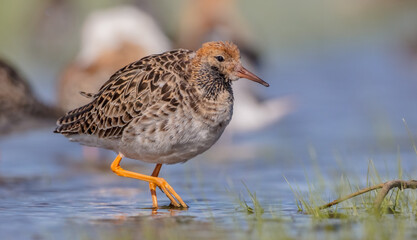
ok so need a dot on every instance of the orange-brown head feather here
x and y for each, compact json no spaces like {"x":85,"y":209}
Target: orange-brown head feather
{"x":228,"y":48}
{"x":224,"y":58}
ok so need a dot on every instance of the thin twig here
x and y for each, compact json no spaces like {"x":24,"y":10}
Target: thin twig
{"x":362,"y":191}
{"x":386,"y":187}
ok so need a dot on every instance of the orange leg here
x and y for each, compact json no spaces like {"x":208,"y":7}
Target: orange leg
{"x":157,"y":181}
{"x":152,"y":185}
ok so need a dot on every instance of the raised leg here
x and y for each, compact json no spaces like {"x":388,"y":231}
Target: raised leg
{"x":160,"y":182}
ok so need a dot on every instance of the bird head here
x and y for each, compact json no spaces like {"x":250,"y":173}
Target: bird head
{"x":224,"y":57}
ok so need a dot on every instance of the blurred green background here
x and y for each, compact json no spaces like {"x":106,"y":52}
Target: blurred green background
{"x":40,"y":34}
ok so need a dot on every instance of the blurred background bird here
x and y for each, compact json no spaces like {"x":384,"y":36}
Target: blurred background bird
{"x":111,"y":38}
{"x":20,"y":109}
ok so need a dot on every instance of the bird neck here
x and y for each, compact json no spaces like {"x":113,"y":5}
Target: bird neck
{"x":211,"y":82}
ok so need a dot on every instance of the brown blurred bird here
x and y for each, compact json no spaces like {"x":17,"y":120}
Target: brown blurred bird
{"x":19,"y":108}
{"x":111,"y":38}
{"x":163,"y":109}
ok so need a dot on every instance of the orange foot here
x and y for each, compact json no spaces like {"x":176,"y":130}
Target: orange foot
{"x":168,"y":190}
{"x":153,"y":182}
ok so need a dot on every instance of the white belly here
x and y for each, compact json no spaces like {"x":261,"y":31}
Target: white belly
{"x":184,"y":138}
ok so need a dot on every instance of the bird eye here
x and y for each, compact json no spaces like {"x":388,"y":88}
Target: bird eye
{"x":219,"y":58}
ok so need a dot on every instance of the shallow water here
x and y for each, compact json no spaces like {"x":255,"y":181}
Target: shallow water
{"x":350,"y":105}
{"x":48,"y":188}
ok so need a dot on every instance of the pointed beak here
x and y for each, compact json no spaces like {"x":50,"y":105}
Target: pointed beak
{"x":242,"y":72}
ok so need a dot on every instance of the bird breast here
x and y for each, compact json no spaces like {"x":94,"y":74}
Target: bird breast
{"x":183,"y":135}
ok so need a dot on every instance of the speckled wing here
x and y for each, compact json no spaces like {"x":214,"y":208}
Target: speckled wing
{"x":149,"y":82}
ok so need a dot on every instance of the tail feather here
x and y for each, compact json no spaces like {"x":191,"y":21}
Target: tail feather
{"x":74,"y":121}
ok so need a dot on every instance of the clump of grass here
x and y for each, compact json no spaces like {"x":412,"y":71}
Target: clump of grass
{"x":397,"y":201}
{"x":256,"y":207}
{"x":360,"y":200}
{"x":309,"y":204}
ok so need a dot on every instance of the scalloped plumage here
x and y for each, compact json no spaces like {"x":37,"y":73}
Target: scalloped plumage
{"x":165,"y":108}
